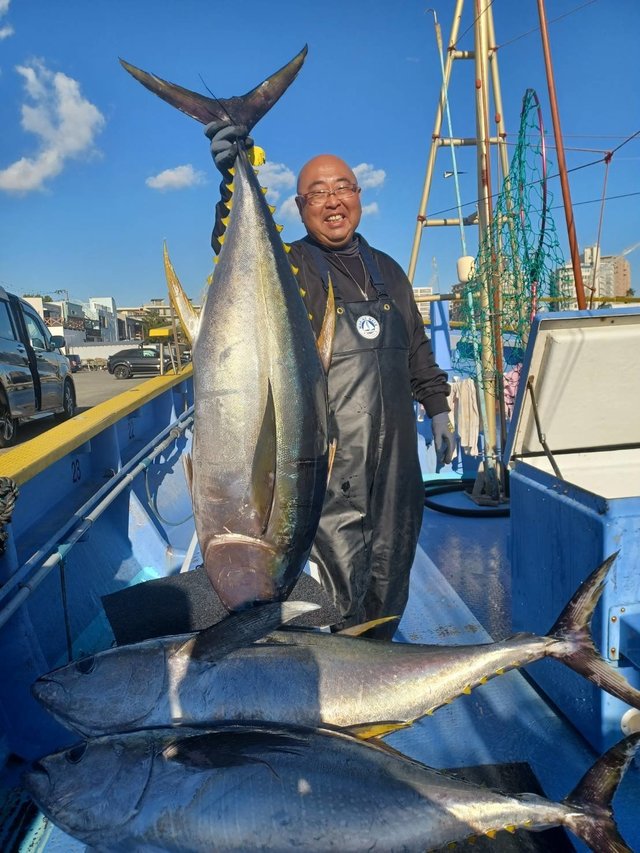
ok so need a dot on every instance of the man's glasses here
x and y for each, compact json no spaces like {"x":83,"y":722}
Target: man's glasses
{"x":319,"y":197}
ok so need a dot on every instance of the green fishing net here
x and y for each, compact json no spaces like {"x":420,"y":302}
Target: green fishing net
{"x":519,"y":269}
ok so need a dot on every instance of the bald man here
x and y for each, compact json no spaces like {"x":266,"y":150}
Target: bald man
{"x":382,"y":361}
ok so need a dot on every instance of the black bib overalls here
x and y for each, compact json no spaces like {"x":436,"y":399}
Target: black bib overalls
{"x":372,"y":512}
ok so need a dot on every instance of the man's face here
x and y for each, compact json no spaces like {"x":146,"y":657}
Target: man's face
{"x":333,"y":219}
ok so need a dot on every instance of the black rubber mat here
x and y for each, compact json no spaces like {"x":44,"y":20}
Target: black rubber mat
{"x":187,"y":602}
{"x":516,"y":778}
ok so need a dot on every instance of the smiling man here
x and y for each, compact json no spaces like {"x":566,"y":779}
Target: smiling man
{"x":382,"y":360}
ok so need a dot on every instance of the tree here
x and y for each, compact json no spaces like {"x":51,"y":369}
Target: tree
{"x":38,"y":296}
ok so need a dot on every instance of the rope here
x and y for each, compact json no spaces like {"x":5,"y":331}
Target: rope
{"x":8,"y":497}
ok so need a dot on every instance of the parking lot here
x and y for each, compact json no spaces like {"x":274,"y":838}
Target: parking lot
{"x":92,"y":387}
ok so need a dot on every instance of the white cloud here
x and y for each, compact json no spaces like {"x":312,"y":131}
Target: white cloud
{"x":176,"y":179}
{"x":276,"y":177}
{"x":368,"y":209}
{"x":7,"y":29}
{"x":65,"y":123}
{"x":368,"y":177}
{"x":289,"y":209}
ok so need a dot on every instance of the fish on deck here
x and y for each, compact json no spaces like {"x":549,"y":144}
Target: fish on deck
{"x":280,"y":788}
{"x":306,"y":677}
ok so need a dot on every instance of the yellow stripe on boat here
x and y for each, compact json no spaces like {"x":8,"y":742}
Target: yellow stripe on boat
{"x":24,"y":461}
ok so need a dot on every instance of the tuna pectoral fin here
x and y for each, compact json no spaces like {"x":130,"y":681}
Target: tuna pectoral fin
{"x":590,"y":801}
{"x":263,"y":472}
{"x":327,"y":332}
{"x":574,"y":646}
{"x":181,"y":305}
{"x":364,"y":627}
{"x":367,"y":731}
{"x":243,"y":629}
{"x":246,"y":110}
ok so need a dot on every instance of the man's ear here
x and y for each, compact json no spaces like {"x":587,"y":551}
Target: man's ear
{"x":299,"y":205}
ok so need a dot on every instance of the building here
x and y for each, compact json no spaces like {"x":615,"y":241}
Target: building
{"x":604,"y":278}
{"x":423,"y":307}
{"x":621,"y":274}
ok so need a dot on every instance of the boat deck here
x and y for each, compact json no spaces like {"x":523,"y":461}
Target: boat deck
{"x":460,"y":590}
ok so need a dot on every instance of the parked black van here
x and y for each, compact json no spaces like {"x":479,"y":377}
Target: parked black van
{"x":35,"y":377}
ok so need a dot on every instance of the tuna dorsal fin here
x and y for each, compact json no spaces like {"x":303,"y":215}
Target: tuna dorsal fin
{"x":263,"y":474}
{"x":181,"y":305}
{"x":327,"y":332}
{"x":187,"y":463}
{"x":246,"y":110}
{"x":364,"y":627}
{"x":242,"y":629}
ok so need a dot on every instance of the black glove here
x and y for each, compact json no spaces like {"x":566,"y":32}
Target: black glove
{"x":442,"y":438}
{"x":225,"y":139}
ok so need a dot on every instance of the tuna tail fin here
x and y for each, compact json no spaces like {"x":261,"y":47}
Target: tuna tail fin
{"x":575,"y":647}
{"x":592,"y":820}
{"x":245,"y":110}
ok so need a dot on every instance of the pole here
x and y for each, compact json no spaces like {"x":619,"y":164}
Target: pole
{"x":432,"y":152}
{"x":562,"y":163}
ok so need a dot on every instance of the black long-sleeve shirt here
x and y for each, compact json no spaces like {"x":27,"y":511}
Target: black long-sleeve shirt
{"x":428,"y":381}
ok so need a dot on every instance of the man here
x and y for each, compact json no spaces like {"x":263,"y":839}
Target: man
{"x":382,"y":360}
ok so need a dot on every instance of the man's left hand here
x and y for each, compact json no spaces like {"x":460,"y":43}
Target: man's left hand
{"x":443,"y":438}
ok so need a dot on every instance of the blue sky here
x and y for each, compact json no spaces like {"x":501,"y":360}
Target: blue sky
{"x":95,"y":172}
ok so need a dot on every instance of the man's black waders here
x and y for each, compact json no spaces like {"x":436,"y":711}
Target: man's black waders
{"x":372,"y":511}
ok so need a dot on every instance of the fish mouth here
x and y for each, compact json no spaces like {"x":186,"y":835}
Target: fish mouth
{"x":50,"y":692}
{"x":37,"y":782}
{"x":244,"y":571}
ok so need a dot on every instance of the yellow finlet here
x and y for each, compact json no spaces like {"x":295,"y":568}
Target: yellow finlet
{"x":271,"y":208}
{"x":264,"y":190}
{"x":221,"y":239}
{"x":257,"y":156}
{"x":216,"y":259}
{"x":467,"y":690}
{"x":511,"y":828}
{"x":491,"y":833}
{"x":294,"y":270}
{"x":303,"y":292}
{"x":232,"y":170}
{"x":229,"y":187}
{"x":228,"y":204}
{"x":225,"y":220}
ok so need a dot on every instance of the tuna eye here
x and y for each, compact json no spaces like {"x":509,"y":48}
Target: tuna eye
{"x":74,"y":755}
{"x":86,"y":665}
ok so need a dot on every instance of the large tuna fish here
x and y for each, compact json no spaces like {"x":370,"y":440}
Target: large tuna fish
{"x":307,"y":677}
{"x":274,"y":788}
{"x":258,"y":469}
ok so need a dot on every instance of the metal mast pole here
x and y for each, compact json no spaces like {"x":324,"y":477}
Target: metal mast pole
{"x":562,"y":163}
{"x":457,"y":15}
{"x":484,"y":223}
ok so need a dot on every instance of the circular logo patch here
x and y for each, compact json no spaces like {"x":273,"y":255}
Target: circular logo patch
{"x":368,"y":327}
